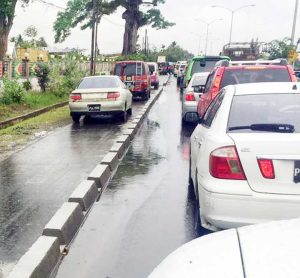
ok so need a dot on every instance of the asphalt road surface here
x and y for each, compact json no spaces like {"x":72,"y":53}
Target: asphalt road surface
{"x":147,"y":211}
{"x":37,"y":180}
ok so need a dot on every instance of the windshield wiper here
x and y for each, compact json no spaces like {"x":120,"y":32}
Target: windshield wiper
{"x":283,"y":128}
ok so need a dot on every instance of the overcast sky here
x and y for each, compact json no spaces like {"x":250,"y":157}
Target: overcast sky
{"x":268,"y":20}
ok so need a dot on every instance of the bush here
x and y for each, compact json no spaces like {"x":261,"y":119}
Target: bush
{"x":12,"y":92}
{"x":27,"y":86}
{"x":42,"y":71}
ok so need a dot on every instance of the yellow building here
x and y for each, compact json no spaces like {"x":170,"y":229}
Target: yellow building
{"x":32,"y":54}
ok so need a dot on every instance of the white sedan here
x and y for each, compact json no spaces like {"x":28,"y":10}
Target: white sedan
{"x":245,"y":156}
{"x":100,"y":95}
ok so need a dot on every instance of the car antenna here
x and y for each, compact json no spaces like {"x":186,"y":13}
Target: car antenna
{"x":295,"y":87}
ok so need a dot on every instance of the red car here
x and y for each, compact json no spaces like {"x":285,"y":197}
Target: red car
{"x":136,"y":76}
{"x":238,"y":72}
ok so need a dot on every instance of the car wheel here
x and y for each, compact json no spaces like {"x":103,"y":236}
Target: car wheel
{"x":124,"y":115}
{"x":129,"y":111}
{"x":76,"y":118}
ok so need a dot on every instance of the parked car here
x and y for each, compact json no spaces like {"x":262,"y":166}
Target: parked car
{"x":245,"y":156}
{"x":100,"y":95}
{"x":239,"y":72}
{"x":136,"y":76}
{"x":191,"y":97}
{"x":153,"y":68}
{"x":264,"y":251}
{"x":201,"y":64}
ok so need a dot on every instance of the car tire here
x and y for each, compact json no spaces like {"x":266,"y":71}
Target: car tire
{"x":76,"y":118}
{"x":129,"y":111}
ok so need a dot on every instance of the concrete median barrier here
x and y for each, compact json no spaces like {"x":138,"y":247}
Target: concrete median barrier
{"x":40,"y":260}
{"x":124,"y":139}
{"x":118,"y":148}
{"x":85,"y":194}
{"x":65,"y":223}
{"x":112,"y":160}
{"x":100,"y":175}
{"x":129,"y":132}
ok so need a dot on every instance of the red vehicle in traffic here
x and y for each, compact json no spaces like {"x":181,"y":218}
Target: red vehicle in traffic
{"x":136,"y":76}
{"x":238,"y":72}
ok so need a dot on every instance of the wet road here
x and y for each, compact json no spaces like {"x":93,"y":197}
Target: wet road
{"x":147,"y":211}
{"x":37,"y":180}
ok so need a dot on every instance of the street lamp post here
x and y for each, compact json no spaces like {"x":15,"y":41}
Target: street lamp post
{"x":232,"y":15}
{"x":294,"y":23}
{"x":207,"y":29}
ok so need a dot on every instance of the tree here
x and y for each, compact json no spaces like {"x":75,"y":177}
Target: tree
{"x":41,"y":42}
{"x":175,"y":53}
{"x":7,"y":13}
{"x":32,"y":42}
{"x":80,"y":12}
{"x":279,"y":48}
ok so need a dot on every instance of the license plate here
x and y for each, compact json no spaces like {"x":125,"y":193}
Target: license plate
{"x":297,"y":171}
{"x":129,"y":85}
{"x":94,"y":108}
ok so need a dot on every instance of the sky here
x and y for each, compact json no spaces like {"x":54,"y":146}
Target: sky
{"x":267,"y":20}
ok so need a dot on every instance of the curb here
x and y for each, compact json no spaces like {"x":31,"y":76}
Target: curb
{"x":35,"y":113}
{"x":42,"y":259}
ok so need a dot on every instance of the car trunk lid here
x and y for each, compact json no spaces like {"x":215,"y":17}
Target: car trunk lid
{"x":284,"y":152}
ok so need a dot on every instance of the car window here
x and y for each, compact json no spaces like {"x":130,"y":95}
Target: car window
{"x":254,"y":75}
{"x":203,"y":66}
{"x":209,"y":81}
{"x":129,"y":69}
{"x":247,"y":110}
{"x":212,"y":110}
{"x":199,"y":81}
{"x":151,"y":68}
{"x":98,"y":83}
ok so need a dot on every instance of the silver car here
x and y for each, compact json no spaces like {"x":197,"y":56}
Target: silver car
{"x":192,"y":95}
{"x":100,"y":95}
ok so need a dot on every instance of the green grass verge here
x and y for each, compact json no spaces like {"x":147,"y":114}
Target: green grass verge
{"x":14,"y":137}
{"x":32,"y":101}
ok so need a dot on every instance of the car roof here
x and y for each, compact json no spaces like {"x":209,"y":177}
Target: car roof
{"x":210,"y":57}
{"x":205,"y":73}
{"x":130,"y":62}
{"x":265,"y":88}
{"x":101,"y":76}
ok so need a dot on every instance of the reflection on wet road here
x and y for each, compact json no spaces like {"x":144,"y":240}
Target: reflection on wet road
{"x":37,"y":180}
{"x":147,"y":211}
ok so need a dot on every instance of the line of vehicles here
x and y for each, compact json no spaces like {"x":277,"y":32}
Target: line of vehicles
{"x":113,"y":95}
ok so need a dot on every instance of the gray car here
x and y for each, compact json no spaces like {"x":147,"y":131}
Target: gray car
{"x":191,"y":97}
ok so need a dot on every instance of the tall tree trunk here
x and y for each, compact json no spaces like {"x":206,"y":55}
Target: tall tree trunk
{"x":131,"y":31}
{"x":4,"y":32}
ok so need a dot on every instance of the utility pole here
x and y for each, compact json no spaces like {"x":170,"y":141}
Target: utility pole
{"x":294,"y":23}
{"x":93,"y":37}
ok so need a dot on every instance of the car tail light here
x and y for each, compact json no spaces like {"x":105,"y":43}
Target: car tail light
{"x":75,"y":97}
{"x":113,"y":95}
{"x":190,"y":96}
{"x":266,"y":168}
{"x":224,"y":163}
{"x":217,"y":82}
{"x":292,"y":74}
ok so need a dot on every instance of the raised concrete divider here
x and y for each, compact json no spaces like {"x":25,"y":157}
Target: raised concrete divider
{"x":40,"y":260}
{"x":112,"y":160}
{"x":65,"y":223}
{"x":43,"y":256}
{"x":85,"y":194}
{"x":100,"y":175}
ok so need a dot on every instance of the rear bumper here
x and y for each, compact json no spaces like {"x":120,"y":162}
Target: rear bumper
{"x":224,"y":211}
{"x":139,"y":93}
{"x":189,"y":111}
{"x":105,"y":107}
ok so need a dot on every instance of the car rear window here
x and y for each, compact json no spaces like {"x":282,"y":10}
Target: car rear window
{"x":98,"y":83}
{"x":151,"y":68}
{"x":247,"y":110}
{"x":199,"y":81}
{"x":129,"y":69}
{"x":203,"y":66}
{"x":254,"y":75}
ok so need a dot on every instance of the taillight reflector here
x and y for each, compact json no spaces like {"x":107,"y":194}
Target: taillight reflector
{"x":75,"y":97}
{"x":266,"y":168}
{"x":225,"y":164}
{"x":113,"y":95}
{"x":190,"y":96}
